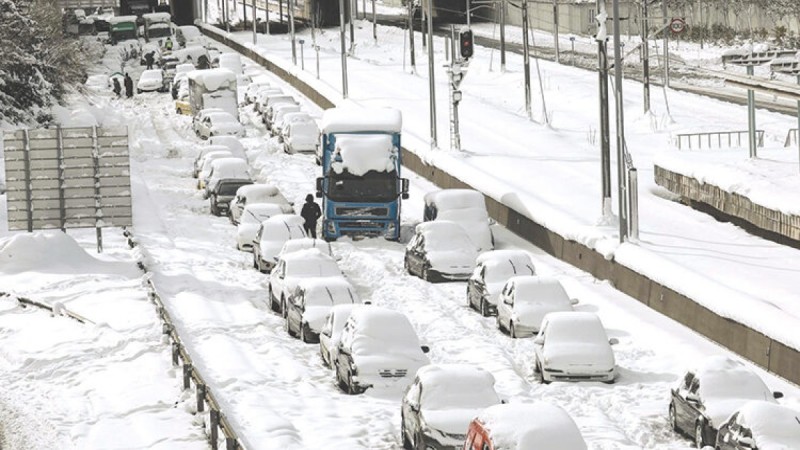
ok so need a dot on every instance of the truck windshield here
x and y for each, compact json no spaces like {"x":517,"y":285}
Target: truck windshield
{"x":371,"y":187}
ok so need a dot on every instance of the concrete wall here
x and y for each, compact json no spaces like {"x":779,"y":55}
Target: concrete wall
{"x":753,"y":345}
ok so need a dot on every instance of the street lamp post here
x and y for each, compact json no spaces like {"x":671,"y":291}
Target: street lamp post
{"x":502,"y":36}
{"x":621,"y":178}
{"x":431,"y":81}
{"x":302,"y":57}
{"x":526,"y":58}
{"x":344,"y":53}
{"x":605,"y":132}
{"x":290,"y":5}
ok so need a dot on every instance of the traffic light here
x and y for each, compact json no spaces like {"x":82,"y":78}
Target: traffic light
{"x":466,"y":44}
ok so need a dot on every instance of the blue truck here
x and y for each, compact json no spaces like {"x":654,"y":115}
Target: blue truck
{"x":361,"y":187}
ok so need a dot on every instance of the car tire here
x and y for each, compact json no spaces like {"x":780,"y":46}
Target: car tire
{"x":302,"y":333}
{"x":403,"y":435}
{"x":673,"y":417}
{"x":699,"y":442}
{"x":284,"y":311}
{"x":512,"y":331}
{"x":541,"y":373}
{"x":424,"y":274}
{"x":485,"y":308}
{"x":273,"y":302}
{"x":177,"y":110}
{"x":325,"y":362}
{"x":255,"y":262}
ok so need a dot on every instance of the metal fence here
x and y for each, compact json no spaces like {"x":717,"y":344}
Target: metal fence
{"x":68,"y":178}
{"x":716,"y":139}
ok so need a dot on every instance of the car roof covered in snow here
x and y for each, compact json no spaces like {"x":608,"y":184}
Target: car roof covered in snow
{"x":512,"y":427}
{"x":448,"y":386}
{"x":306,"y":243}
{"x":773,"y":425}
{"x":537,"y":286}
{"x":354,"y":120}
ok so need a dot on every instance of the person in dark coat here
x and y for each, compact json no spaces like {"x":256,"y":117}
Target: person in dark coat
{"x":149,"y":59}
{"x":311,"y":213}
{"x":128,"y":86}
{"x":202,"y":62}
{"x":117,"y":87}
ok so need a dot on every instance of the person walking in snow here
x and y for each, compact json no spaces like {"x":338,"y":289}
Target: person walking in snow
{"x":310,"y":213}
{"x":117,"y":87}
{"x":168,"y":44}
{"x":149,"y":58}
{"x":128,"y":86}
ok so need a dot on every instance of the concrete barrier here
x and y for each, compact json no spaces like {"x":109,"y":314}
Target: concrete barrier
{"x":772,"y":355}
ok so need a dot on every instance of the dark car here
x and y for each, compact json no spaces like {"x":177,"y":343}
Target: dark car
{"x":492,"y":270}
{"x":223,"y":192}
{"x":708,"y":395}
{"x":760,"y":425}
{"x":308,"y":306}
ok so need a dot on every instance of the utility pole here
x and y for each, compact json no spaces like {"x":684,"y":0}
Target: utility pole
{"x":411,"y":34}
{"x":526,"y":58}
{"x":344,"y":53}
{"x":666,"y":43}
{"x":621,"y":179}
{"x":605,"y":130}
{"x":290,"y":5}
{"x":432,"y":84}
{"x":646,"y":56}
{"x":352,"y":27}
{"x":255,"y":40}
{"x":503,"y":36}
{"x":555,"y":30}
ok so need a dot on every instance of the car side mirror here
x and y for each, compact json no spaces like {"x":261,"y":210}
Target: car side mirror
{"x":367,"y":302}
{"x":492,"y":221}
{"x":319,"y":187}
{"x":425,"y":348}
{"x":747,"y":442}
{"x":613,"y":341}
{"x":573,"y":301}
{"x":538,"y":340}
{"x":275,"y":258}
{"x":414,"y":406}
{"x":503,"y":401}
{"x":776,"y":395}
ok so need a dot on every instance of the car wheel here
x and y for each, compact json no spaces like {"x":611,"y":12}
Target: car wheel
{"x":255,"y":263}
{"x":673,"y":418}
{"x":323,"y":358}
{"x":699,"y":442}
{"x":303,"y":336}
{"x":541,"y":373}
{"x":351,"y":389}
{"x":485,"y":308}
{"x":177,"y":110}
{"x":284,"y":312}
{"x":424,"y":274}
{"x":512,"y":331}
{"x":403,"y":435}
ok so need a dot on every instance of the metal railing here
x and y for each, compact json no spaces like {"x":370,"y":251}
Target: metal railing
{"x":733,"y":138}
{"x":791,"y":137}
{"x":180,"y":357}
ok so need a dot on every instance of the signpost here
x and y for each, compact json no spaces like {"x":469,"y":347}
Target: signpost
{"x":68,"y":178}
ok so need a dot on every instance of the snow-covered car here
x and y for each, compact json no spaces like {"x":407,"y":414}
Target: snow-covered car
{"x":251,"y":219}
{"x":438,"y":406}
{"x":378,"y":347}
{"x":268,"y":107}
{"x":231,"y":168}
{"x":492,"y":270}
{"x":574,"y":346}
{"x":310,"y":302}
{"x":708,"y":394}
{"x":263,"y":95}
{"x":298,"y":116}
{"x":202,"y":151}
{"x":439,"y":251}
{"x":301,"y":137}
{"x":257,"y":193}
{"x":280,"y":110}
{"x":292,"y":267}
{"x":332,"y":331}
{"x":526,"y":299}
{"x":192,"y":54}
{"x":201,"y":115}
{"x":232,"y":143}
{"x":467,"y":208}
{"x":271,"y":235}
{"x":222,"y":192}
{"x":523,"y":426}
{"x":180,"y":74}
{"x":295,"y":245}
{"x":205,"y":166}
{"x":219,"y":123}
{"x":189,"y":35}
{"x":760,"y":425}
{"x":150,"y":81}
{"x":257,"y":84}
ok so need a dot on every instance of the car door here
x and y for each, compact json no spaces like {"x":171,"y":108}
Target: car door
{"x":685,"y":412}
{"x":505,"y":305}
{"x":325,"y":337}
{"x":295,"y":305}
{"x":475,"y":286}
{"x":412,"y":255}
{"x":411,"y":409}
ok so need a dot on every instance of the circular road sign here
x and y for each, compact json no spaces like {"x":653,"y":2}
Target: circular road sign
{"x":677,"y":25}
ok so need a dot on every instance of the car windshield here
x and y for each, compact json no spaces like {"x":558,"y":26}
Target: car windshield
{"x":230,"y":188}
{"x":223,"y":118}
{"x":372,"y":187}
{"x":329,"y":296}
{"x":584,"y":332}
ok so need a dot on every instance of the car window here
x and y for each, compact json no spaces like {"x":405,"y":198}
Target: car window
{"x":687,"y":381}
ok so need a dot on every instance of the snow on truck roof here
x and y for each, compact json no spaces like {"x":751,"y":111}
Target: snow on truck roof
{"x":354,"y":120}
{"x":121,"y":19}
{"x":157,"y":16}
{"x":212,"y":79}
{"x":361,"y":153}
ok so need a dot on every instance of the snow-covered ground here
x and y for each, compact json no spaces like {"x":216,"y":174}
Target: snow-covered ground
{"x":273,"y":387}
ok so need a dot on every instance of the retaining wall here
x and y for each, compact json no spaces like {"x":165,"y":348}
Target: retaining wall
{"x":768,"y":353}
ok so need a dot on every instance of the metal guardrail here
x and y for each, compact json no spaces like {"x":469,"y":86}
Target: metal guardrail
{"x":717,"y":136}
{"x":53,"y":310}
{"x":180,"y":357}
{"x":791,"y":137}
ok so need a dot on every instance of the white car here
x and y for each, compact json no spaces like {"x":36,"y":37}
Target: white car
{"x":271,"y":235}
{"x":526,"y":299}
{"x":232,"y":143}
{"x":257,"y":193}
{"x":250,"y":222}
{"x":290,"y":268}
{"x":492,"y":270}
{"x":440,"y":250}
{"x":301,"y":137}
{"x":263,"y":95}
{"x":438,"y":406}
{"x":202,"y":151}
{"x":378,"y":348}
{"x":257,"y":83}
{"x":151,"y":80}
{"x":574,"y":346}
{"x":280,"y":110}
{"x":230,"y":168}
{"x":205,"y":166}
{"x":189,"y":35}
{"x":518,"y":426}
{"x":268,"y":107}
{"x":760,"y":425}
{"x":298,"y":116}
{"x":295,"y":245}
{"x":309,"y":304}
{"x":332,"y":331}
{"x":466,"y":207}
{"x":219,"y":123}
{"x":201,"y":115}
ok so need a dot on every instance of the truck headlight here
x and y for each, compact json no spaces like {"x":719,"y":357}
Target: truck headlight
{"x":330,"y":227}
{"x":391,"y":231}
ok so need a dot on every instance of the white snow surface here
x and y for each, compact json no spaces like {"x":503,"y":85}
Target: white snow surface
{"x":361,"y":153}
{"x":72,"y":385}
